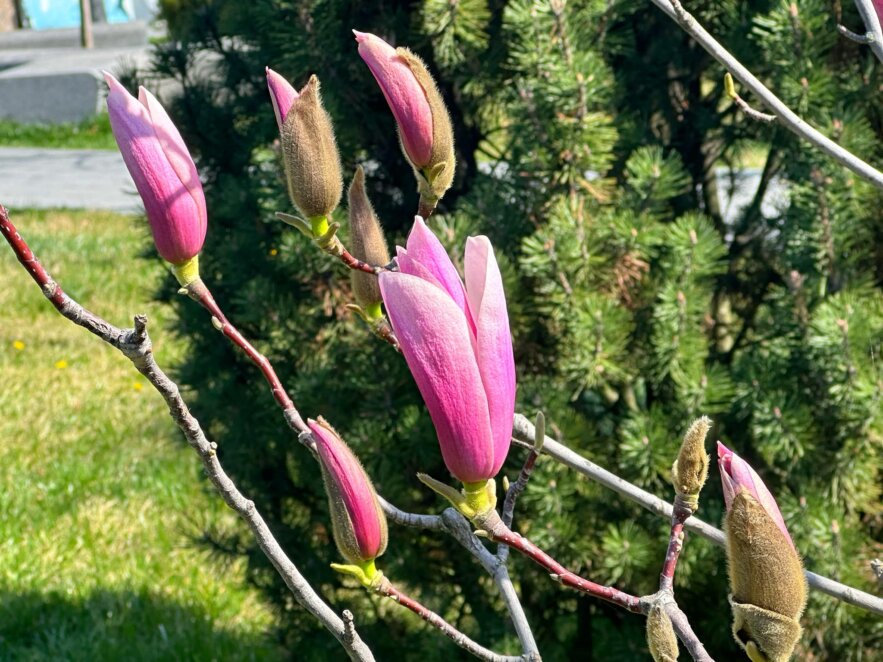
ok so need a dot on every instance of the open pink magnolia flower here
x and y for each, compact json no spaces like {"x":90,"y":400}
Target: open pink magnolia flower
{"x":282,"y":94}
{"x":404,"y":94}
{"x":163,"y":171}
{"x":737,"y":475}
{"x":359,"y":523}
{"x":457,"y":344}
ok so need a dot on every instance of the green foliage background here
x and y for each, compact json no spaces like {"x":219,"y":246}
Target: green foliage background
{"x":588,"y":134}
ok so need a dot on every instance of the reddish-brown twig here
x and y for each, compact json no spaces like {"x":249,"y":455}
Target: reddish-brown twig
{"x":498,"y":532}
{"x":199,"y":292}
{"x":680,"y":514}
{"x":387,"y":589}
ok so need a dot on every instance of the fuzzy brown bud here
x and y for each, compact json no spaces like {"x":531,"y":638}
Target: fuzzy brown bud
{"x":312,"y":163}
{"x":437,"y":175}
{"x":766,"y":579}
{"x":690,"y":470}
{"x":661,"y":636}
{"x":367,"y":242}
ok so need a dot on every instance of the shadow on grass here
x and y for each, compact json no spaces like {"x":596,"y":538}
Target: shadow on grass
{"x":127,"y":625}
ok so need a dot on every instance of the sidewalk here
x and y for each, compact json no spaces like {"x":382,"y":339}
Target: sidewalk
{"x":74,"y":178}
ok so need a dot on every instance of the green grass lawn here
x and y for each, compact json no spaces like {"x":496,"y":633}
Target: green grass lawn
{"x":100,"y":498}
{"x":93,"y":133}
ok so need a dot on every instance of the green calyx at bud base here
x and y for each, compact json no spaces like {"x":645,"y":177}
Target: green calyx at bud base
{"x":366,"y":572}
{"x":474,"y":501}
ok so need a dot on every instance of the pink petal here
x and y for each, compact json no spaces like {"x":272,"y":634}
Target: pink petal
{"x":177,"y":220}
{"x":355,"y":488}
{"x":175,"y":150}
{"x":437,"y":345}
{"x":282,"y":94}
{"x":425,"y":248}
{"x":403,"y":93}
{"x":743,"y":477}
{"x":496,"y":363}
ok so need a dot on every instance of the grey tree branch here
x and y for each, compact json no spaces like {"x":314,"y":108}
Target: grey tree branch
{"x":135,"y":345}
{"x":787,"y":117}
{"x":459,"y":528}
{"x":523,"y":433}
{"x":874,"y":36}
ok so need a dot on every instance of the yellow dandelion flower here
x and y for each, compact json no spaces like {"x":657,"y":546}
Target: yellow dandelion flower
{"x":138,"y":386}
{"x":61,"y":365}
{"x":19,"y":345}
{"x":273,"y":252}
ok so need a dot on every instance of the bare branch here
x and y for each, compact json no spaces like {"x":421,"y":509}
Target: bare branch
{"x":787,"y":117}
{"x":515,"y":490}
{"x":459,"y":528}
{"x":464,"y":642}
{"x":685,"y":632}
{"x":523,"y":433}
{"x":136,"y":346}
{"x":680,"y":514}
{"x":874,"y":36}
{"x":863,"y":39}
{"x":743,"y":105}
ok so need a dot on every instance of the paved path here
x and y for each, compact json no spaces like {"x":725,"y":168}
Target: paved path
{"x":74,"y":178}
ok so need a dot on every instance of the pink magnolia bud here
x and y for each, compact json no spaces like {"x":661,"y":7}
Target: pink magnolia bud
{"x":737,"y":475}
{"x":163,"y":171}
{"x":282,"y":94}
{"x":403,"y":93}
{"x":425,"y":128}
{"x":358,"y":521}
{"x":456,"y":342}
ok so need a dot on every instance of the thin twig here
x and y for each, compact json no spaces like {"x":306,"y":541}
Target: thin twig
{"x":743,"y":105}
{"x":523,"y":433}
{"x":863,"y":39}
{"x":136,"y":346}
{"x":681,"y":513}
{"x":515,"y":490}
{"x":685,"y":632}
{"x":386,"y":588}
{"x":200,"y":293}
{"x":458,"y":527}
{"x":787,"y":117}
{"x":499,"y":532}
{"x":872,"y":23}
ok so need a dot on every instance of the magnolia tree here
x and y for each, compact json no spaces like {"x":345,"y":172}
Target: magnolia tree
{"x":453,"y":332}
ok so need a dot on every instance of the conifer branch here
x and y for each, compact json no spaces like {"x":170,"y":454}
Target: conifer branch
{"x":136,"y":346}
{"x":523,"y":432}
{"x":787,"y":117}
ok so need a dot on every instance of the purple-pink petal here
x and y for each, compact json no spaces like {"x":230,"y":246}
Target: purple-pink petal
{"x":175,"y":149}
{"x":282,"y":94}
{"x":169,"y":188}
{"x":424,"y":247}
{"x":738,"y":475}
{"x":405,"y":96}
{"x":496,"y":363}
{"x":437,"y":344}
{"x":354,"y":487}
